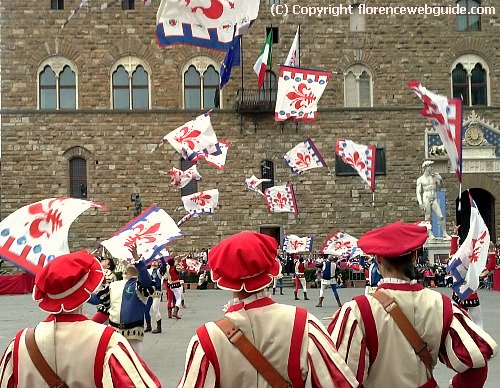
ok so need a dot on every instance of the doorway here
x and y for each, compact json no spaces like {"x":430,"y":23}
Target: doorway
{"x":486,"y":205}
{"x":273,"y":231}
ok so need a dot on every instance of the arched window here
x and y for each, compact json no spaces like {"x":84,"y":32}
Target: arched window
{"x":78,"y":177}
{"x":267,"y":172}
{"x":192,"y":186}
{"x":57,"y":84}
{"x":201,"y":84}
{"x":470,"y":80}
{"x":469,"y":21}
{"x":130,"y":82}
{"x":358,"y":86}
{"x":269,"y":88}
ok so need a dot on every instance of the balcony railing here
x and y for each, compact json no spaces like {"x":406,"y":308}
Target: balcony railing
{"x":252,"y":99}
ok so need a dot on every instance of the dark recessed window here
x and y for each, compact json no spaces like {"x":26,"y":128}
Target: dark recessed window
{"x":57,"y":4}
{"x":267,"y":172}
{"x":469,"y":21}
{"x":128,"y":5}
{"x":78,"y":178}
{"x":192,"y":186}
{"x":344,"y":169}
{"x":276,"y":33}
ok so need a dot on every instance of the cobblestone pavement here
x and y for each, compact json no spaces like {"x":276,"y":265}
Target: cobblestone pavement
{"x":165,"y":352}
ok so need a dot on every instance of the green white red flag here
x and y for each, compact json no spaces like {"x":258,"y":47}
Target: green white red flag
{"x":264,"y":60}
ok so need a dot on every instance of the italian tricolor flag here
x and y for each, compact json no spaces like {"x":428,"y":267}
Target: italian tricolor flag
{"x":264,"y":60}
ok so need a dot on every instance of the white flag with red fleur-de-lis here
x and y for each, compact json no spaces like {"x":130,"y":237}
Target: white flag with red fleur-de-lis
{"x":281,"y":199}
{"x":339,"y":244}
{"x":151,"y":230}
{"x":470,"y":259}
{"x":180,"y":178}
{"x":299,"y":91}
{"x":192,"y":137}
{"x":295,"y":244}
{"x":203,"y":202}
{"x":360,"y":157}
{"x":304,"y":156}
{"x":35,"y":234}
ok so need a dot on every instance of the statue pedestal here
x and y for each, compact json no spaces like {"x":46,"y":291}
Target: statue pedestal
{"x":438,"y":250}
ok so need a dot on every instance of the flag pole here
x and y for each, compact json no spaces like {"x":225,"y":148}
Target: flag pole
{"x":242,"y":83}
{"x":298,"y":63}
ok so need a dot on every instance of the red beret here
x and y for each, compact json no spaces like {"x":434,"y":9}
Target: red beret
{"x":67,"y":282}
{"x":393,"y":240}
{"x":245,"y":261}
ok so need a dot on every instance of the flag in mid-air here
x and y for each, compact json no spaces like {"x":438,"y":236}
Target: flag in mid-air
{"x":151,"y":230}
{"x":470,"y":259}
{"x":339,"y":244}
{"x":299,"y":91}
{"x":281,"y":199}
{"x":214,"y":154}
{"x":181,"y":178}
{"x":192,"y":137}
{"x":264,"y":60}
{"x":203,"y":202}
{"x":304,"y":156}
{"x":253,"y":182}
{"x":37,"y":233}
{"x":360,"y":157}
{"x":294,"y":54}
{"x":294,"y":244}
{"x":204,"y":23}
{"x":445,"y":115}
{"x":192,"y":265}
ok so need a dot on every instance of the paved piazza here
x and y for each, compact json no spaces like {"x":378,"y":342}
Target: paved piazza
{"x":165,"y":352}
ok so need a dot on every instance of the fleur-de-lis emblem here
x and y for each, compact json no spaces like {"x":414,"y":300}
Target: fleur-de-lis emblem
{"x":476,"y":247}
{"x":356,"y":161}
{"x":201,"y":199}
{"x":295,"y":244}
{"x":142,"y":234}
{"x":301,"y":96}
{"x":187,"y":136}
{"x":51,"y":217}
{"x":303,"y":160}
{"x":280,"y":200}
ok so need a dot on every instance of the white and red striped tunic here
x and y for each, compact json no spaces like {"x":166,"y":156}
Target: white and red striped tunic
{"x":293,"y":341}
{"x":374,"y":348}
{"x":82,"y":352}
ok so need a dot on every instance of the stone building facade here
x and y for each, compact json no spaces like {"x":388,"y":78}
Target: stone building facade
{"x":115,"y":145}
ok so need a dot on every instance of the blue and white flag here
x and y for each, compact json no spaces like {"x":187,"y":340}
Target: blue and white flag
{"x":294,"y":244}
{"x":304,"y":156}
{"x":204,"y":23}
{"x":470,"y":259}
{"x":231,"y":59}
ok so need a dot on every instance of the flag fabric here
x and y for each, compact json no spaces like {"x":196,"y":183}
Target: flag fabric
{"x":147,"y":3}
{"x":294,"y":54}
{"x":74,"y":11}
{"x":192,"y":137}
{"x":231,"y":59}
{"x":470,"y":259}
{"x":203,"y":202}
{"x":253,"y":182}
{"x":339,"y":244}
{"x":208,"y":23}
{"x":281,"y":199}
{"x":192,"y":265}
{"x":37,"y":233}
{"x":181,"y":178}
{"x":151,"y":230}
{"x":304,"y":156}
{"x":214,"y":154}
{"x":445,"y":115}
{"x":264,"y":60}
{"x":360,"y":157}
{"x":299,"y":91}
{"x":294,"y":244}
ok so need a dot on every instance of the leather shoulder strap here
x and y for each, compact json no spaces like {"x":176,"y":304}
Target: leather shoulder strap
{"x":50,"y":377}
{"x":417,"y":343}
{"x":252,"y":354}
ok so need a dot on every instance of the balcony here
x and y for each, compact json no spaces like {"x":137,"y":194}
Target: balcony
{"x":252,"y":100}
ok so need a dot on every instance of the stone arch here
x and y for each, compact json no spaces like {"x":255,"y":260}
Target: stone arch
{"x":132,"y":47}
{"x":358,"y":56}
{"x":57,"y":47}
{"x":77,"y":151}
{"x":471,"y":45}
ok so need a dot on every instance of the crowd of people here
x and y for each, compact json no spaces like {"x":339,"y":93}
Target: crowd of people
{"x":273,"y":344}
